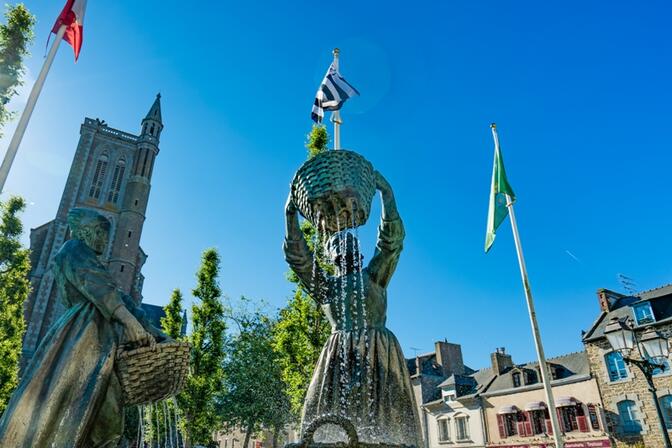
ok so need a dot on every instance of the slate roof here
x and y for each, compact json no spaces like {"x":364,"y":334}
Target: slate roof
{"x":569,"y":367}
{"x":154,"y":313}
{"x":661,"y":304}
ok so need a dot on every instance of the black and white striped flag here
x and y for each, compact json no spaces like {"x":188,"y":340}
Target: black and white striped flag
{"x":331,"y":95}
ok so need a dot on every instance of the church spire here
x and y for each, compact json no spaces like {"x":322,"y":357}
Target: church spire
{"x":152,"y":124}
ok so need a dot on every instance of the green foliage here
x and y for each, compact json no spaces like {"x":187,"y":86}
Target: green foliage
{"x":298,"y":337}
{"x":301,"y":329}
{"x":197,"y":400}
{"x":14,"y":289}
{"x":254,"y":395}
{"x":173,"y":322}
{"x":15,"y":36}
{"x":317,"y":140}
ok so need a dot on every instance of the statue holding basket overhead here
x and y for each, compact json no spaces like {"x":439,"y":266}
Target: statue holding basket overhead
{"x":72,"y":393}
{"x":361,"y":374}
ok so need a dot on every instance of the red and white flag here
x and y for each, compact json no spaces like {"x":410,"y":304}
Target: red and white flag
{"x":72,"y":17}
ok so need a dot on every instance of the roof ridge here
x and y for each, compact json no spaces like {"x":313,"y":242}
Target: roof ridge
{"x":652,"y":289}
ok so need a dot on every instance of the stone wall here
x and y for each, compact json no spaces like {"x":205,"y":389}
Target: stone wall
{"x":634,"y":388}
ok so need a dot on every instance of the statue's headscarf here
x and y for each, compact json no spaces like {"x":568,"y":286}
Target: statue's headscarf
{"x":83,"y":220}
{"x":340,"y":243}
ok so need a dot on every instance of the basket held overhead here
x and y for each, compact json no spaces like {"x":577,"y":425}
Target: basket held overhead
{"x":148,"y":375}
{"x":334,"y":190}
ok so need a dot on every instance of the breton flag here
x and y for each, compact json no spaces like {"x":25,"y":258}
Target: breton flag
{"x":500,"y":189}
{"x":72,"y":17}
{"x":331,"y":95}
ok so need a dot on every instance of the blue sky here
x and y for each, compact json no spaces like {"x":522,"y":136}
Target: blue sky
{"x":580,"y":92}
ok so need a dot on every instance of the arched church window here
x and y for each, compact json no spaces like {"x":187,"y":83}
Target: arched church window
{"x":98,"y":177}
{"x":113,"y":195}
{"x":151,"y":130}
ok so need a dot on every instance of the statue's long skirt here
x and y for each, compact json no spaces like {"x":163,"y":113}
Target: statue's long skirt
{"x":69,"y":395}
{"x":362,"y":375}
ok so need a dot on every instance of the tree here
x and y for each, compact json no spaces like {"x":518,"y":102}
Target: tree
{"x":15,"y":36}
{"x":301,"y":329}
{"x":197,"y":400}
{"x":173,"y":322}
{"x":254,"y":395}
{"x":14,"y":289}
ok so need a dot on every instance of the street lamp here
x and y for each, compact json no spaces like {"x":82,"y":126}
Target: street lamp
{"x":651,"y":347}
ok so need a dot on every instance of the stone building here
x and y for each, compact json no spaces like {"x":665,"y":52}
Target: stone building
{"x":516,"y":412}
{"x":630,"y":410}
{"x":111,"y":172}
{"x":457,"y":418}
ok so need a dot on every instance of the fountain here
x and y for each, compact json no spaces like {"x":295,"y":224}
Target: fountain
{"x":100,"y":356}
{"x":360,"y":387}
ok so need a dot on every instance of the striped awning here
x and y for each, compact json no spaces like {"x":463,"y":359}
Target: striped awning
{"x":510,"y":409}
{"x":565,"y":401}
{"x":535,"y":406}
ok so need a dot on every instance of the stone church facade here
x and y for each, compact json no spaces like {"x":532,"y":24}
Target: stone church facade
{"x":111,"y":172}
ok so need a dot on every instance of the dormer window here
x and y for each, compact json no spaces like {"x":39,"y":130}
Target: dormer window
{"x":643,"y":313}
{"x":516,"y":379}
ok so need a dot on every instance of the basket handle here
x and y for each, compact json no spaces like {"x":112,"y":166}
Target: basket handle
{"x":307,"y":439}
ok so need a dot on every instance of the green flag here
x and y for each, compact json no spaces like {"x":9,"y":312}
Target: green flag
{"x":500,"y":188}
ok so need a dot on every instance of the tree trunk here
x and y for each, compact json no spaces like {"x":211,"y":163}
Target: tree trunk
{"x":248,"y":434}
{"x":276,"y":430}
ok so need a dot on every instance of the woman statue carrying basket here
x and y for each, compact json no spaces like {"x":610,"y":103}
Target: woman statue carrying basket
{"x":361,"y":374}
{"x":69,"y":395}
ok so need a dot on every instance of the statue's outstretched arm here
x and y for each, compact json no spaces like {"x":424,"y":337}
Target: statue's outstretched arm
{"x":299,"y":256}
{"x":390,"y":236}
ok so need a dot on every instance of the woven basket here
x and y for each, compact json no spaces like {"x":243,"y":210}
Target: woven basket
{"x":335,"y":188}
{"x":148,"y":375}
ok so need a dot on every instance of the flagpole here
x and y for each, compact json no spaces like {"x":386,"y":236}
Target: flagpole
{"x":545,"y":377}
{"x":336,"y":115}
{"x":28,"y":110}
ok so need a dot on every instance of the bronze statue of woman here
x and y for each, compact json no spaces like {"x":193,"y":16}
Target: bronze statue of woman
{"x":361,"y":373}
{"x":69,"y":395}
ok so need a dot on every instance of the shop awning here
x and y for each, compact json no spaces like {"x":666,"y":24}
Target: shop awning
{"x":510,"y":409}
{"x":535,"y":406}
{"x":565,"y":401}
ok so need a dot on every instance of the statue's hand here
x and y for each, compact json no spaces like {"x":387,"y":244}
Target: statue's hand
{"x":134,"y":332}
{"x":290,"y":207}
{"x":381,"y":183}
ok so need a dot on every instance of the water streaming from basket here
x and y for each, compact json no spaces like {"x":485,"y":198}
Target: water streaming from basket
{"x":160,"y":425}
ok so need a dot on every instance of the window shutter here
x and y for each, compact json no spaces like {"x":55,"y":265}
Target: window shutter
{"x":520,"y":424}
{"x":547,"y":420}
{"x":581,"y":420}
{"x":561,"y":423}
{"x":528,"y":424}
{"x":500,"y":424}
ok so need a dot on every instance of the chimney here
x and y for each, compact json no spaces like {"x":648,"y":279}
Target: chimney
{"x":607,"y":299}
{"x":449,"y":357}
{"x":501,"y":361}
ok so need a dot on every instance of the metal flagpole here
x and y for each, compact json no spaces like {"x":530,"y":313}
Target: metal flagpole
{"x":545,"y":377}
{"x":28,"y":110}
{"x":336,"y":115}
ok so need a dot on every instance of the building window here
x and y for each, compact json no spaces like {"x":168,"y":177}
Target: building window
{"x":615,"y":366}
{"x":444,"y":430}
{"x":568,"y":417}
{"x":516,"y":379}
{"x":462,"y":428}
{"x":530,"y":377}
{"x":538,"y":424}
{"x":630,"y":422}
{"x":122,"y":268}
{"x":643,"y":313}
{"x":113,"y":195}
{"x":510,"y":424}
{"x":98,"y":177}
{"x":592,"y":415}
{"x":666,"y":407}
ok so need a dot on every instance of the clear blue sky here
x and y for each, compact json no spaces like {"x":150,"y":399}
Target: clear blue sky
{"x":580,"y":91}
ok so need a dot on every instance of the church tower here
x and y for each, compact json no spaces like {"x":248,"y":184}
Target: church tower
{"x":111,"y":173}
{"x":126,"y":248}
